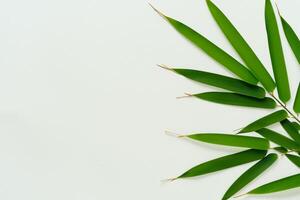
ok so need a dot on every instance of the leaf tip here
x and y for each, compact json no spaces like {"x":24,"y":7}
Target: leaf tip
{"x":169,"y":179}
{"x":163,"y":66}
{"x":170,"y":133}
{"x":185,"y":96}
{"x":156,"y":10}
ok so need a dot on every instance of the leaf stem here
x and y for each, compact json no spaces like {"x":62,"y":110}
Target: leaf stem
{"x":284,"y":107}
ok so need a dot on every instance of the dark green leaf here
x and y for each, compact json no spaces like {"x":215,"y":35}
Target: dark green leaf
{"x":296,"y":125}
{"x":291,"y":130}
{"x":224,"y":82}
{"x":212,"y":50}
{"x":236,"y":99}
{"x":292,"y":38}
{"x":279,"y":139}
{"x":265,"y":121}
{"x":232,"y":140}
{"x":276,"y":53}
{"x":281,"y":150}
{"x":242,"y":47}
{"x":294,"y":159}
{"x":250,"y":175}
{"x":297,"y":100}
{"x":225,"y":162}
{"x":279,"y":185}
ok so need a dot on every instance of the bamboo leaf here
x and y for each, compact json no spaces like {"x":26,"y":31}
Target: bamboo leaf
{"x":236,"y":99}
{"x":242,"y":47}
{"x":279,"y":185}
{"x":291,"y":130}
{"x":276,"y":53}
{"x":232,"y":140}
{"x":279,"y":139}
{"x":211,"y":49}
{"x":297,"y":100}
{"x":296,"y":125}
{"x":281,"y":150}
{"x":292,"y":38}
{"x":249,"y":175}
{"x":225,"y":162}
{"x":294,"y":159}
{"x":265,"y":121}
{"x":220,"y":81}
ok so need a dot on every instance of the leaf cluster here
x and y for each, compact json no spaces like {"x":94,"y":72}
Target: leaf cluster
{"x":251,"y":85}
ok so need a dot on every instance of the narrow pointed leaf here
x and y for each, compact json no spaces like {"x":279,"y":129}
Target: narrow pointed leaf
{"x":279,"y":139}
{"x":276,"y":53}
{"x":297,"y":100}
{"x":212,"y":50}
{"x":250,"y":175}
{"x":281,"y":150}
{"x":224,"y":82}
{"x":291,"y":130}
{"x":296,"y":125}
{"x":292,"y":38}
{"x":265,"y":121}
{"x":225,"y":162}
{"x":236,"y":99}
{"x":294,"y":159}
{"x":279,"y":185}
{"x":242,"y":47}
{"x":232,"y":140}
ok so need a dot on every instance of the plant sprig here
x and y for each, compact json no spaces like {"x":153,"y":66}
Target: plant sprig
{"x":242,"y":90}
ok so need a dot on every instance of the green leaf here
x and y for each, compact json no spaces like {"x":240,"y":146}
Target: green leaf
{"x":296,"y":125}
{"x":211,"y":49}
{"x":281,"y":150}
{"x":225,"y":162}
{"x":232,"y":140}
{"x":276,"y":53}
{"x":224,"y":82}
{"x":265,"y":121}
{"x":279,"y":185}
{"x":250,"y":175}
{"x":292,"y":38}
{"x":297,"y":100}
{"x":279,"y":139}
{"x":236,"y":99}
{"x":294,"y":159}
{"x":291,"y":130}
{"x":242,"y":47}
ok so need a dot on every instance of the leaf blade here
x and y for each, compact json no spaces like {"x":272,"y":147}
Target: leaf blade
{"x":232,"y":140}
{"x":278,"y":185}
{"x":276,"y":53}
{"x":249,"y":175}
{"x":294,"y":159}
{"x":265,"y":121}
{"x":224,"y":163}
{"x":220,"y":81}
{"x":291,"y":130}
{"x":236,"y":99}
{"x":292,"y":38}
{"x":211,"y":49}
{"x":278,"y":139}
{"x":297,"y":101}
{"x":281,"y":150}
{"x":296,"y":125}
{"x":241,"y":47}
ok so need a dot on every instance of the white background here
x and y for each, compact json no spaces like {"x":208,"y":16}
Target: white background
{"x":83,"y":108}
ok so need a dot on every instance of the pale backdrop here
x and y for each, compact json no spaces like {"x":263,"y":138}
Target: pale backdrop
{"x":83,"y":108}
